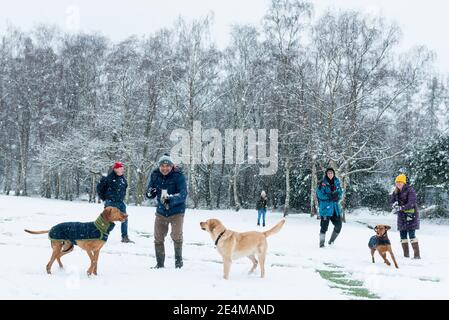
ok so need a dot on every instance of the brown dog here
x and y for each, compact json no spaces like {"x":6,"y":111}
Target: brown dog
{"x":89,"y":236}
{"x":382,"y":244}
{"x":233,"y":245}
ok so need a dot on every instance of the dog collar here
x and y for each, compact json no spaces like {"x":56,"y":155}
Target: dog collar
{"x":103,"y":225}
{"x":219,"y":236}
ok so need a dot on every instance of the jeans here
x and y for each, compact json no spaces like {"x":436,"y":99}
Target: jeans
{"x":411,"y":234}
{"x":122,"y":207}
{"x":261,"y":212}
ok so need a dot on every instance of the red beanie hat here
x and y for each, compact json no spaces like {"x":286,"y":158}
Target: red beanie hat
{"x":117,"y":165}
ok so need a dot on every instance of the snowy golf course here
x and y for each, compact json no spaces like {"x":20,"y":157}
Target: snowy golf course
{"x":295,"y":267}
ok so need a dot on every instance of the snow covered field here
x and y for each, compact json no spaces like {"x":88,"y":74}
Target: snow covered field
{"x":296,"y":267}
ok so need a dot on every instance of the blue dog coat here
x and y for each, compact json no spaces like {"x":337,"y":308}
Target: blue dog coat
{"x":375,"y":241}
{"x":98,"y":230}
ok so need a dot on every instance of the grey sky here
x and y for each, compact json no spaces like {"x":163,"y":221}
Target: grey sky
{"x":422,"y":22}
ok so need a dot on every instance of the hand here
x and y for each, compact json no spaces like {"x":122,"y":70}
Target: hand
{"x":396,"y":207}
{"x":151,"y":193}
{"x":334,"y":196}
{"x":165,"y":200}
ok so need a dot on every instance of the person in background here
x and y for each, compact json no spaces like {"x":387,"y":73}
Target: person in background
{"x":112,"y":190}
{"x":261,"y":207}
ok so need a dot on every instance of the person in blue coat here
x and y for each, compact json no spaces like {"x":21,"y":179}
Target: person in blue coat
{"x":112,"y":190}
{"x":329,"y":194}
{"x":168,"y":185}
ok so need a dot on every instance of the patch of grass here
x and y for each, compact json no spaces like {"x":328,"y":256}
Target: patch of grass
{"x":331,"y":265}
{"x":361,"y":293}
{"x":283,"y":265}
{"x":199,"y":244}
{"x":144,"y":234}
{"x":429,"y":279}
{"x":339,"y":280}
{"x":277,"y":254}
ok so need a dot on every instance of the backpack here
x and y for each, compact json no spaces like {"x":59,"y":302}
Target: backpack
{"x":101,"y":188}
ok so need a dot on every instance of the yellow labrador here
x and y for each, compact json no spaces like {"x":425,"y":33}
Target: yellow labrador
{"x":233,"y":245}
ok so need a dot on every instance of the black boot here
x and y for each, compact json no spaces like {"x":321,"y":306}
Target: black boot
{"x":333,"y":237}
{"x":125,"y":239}
{"x":178,"y":255}
{"x":160,"y":255}
{"x":322,"y":239}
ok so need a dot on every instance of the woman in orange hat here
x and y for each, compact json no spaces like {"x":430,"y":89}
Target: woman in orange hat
{"x":404,"y":203}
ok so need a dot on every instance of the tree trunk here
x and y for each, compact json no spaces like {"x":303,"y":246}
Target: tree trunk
{"x":129,"y":178}
{"x":93,"y":189}
{"x":58,"y":186}
{"x":141,"y":186}
{"x":19,"y":179}
{"x":287,"y":187}
{"x":220,"y":184}
{"x":313,"y":185}
{"x":234,"y":185}
{"x":344,"y":182}
{"x":8,"y":178}
{"x":210,"y":187}
{"x":24,"y":141}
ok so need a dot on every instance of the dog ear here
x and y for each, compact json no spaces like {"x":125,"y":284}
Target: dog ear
{"x":107,"y":213}
{"x":211,"y":224}
{"x":387,"y":227}
{"x":376,"y":228}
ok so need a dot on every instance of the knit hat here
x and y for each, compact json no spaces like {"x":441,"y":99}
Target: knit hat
{"x":165,"y":159}
{"x":117,"y":165}
{"x":401,"y":178}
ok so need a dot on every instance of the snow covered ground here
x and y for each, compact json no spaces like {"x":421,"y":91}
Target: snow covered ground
{"x":296,"y":267}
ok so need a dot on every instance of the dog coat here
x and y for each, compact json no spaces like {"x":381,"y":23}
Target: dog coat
{"x":98,"y":230}
{"x":376,"y":241}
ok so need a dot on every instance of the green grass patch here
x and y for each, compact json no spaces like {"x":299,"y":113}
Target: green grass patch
{"x":430,"y":279}
{"x":339,"y":280}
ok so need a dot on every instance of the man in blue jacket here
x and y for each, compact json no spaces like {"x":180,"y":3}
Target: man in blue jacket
{"x":112,"y":190}
{"x":329,"y":194}
{"x":168,"y":185}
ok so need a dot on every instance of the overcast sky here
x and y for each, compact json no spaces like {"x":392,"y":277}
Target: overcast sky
{"x":422,"y":21}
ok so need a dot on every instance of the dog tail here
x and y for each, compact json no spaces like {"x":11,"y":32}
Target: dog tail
{"x":275,"y":229}
{"x":37,"y":232}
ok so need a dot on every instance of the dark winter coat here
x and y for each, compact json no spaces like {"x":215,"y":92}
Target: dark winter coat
{"x":112,"y":189}
{"x":175,"y":184}
{"x":406,"y":198}
{"x":73,"y":231}
{"x":261,"y":203}
{"x":328,"y":206}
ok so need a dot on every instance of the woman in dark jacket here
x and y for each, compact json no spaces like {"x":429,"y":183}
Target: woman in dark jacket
{"x":329,"y":194}
{"x":404,"y":203}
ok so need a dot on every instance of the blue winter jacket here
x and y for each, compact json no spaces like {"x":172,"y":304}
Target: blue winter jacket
{"x":175,"y":183}
{"x":323,"y":193}
{"x":113,"y":190}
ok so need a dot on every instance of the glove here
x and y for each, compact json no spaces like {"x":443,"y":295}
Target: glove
{"x":151,"y":193}
{"x":334,"y":196}
{"x":396,"y":207}
{"x":166,"y":202}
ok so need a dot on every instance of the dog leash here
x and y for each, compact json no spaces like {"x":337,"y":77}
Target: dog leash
{"x":219,"y":236}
